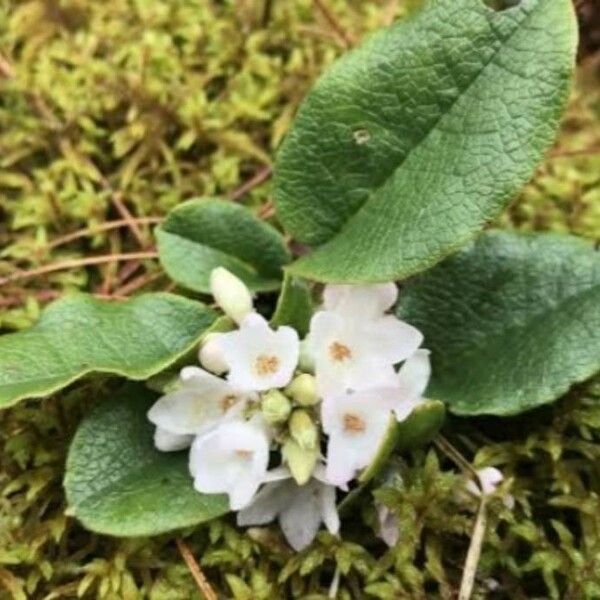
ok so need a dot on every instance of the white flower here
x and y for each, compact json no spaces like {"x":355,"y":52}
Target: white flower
{"x":231,"y":459}
{"x":231,"y":294}
{"x":412,"y":380}
{"x":258,"y":357}
{"x":301,"y":509}
{"x":358,"y":351}
{"x":200,"y":402}
{"x":389,"y":530}
{"x":356,"y":424}
{"x":371,"y":301}
{"x":211,"y":356}
{"x":165,"y":441}
{"x":489,"y":480}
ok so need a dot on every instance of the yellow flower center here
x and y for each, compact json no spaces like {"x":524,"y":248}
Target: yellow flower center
{"x":354,"y":423}
{"x":339,"y":352}
{"x":227,"y":402}
{"x":266,"y":365}
{"x":243,"y":453}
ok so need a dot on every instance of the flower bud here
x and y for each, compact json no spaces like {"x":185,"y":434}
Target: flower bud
{"x":304,"y":430}
{"x":306,"y":359}
{"x":275,"y":407}
{"x":301,"y":462}
{"x":303,"y":390}
{"x":231,"y":294}
{"x":211,"y":357}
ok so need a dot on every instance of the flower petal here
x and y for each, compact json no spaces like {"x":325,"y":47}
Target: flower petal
{"x":266,"y":505}
{"x":258,"y":357}
{"x":329,"y":513}
{"x":389,"y":530}
{"x":389,"y":340}
{"x":301,"y":519}
{"x":200,"y":402}
{"x":414,"y":374}
{"x":165,"y":441}
{"x":364,"y":301}
{"x":231,"y":459}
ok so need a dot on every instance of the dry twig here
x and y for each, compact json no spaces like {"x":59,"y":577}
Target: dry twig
{"x":474,"y":553}
{"x":76,"y":263}
{"x":333,"y":23}
{"x":253,"y":182}
{"x":196,"y":571}
{"x":95,"y":229}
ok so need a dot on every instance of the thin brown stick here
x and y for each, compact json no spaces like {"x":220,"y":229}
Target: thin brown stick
{"x":137,"y":283}
{"x":333,"y":23}
{"x":266,"y":211}
{"x":76,"y":263}
{"x":253,"y":182}
{"x":95,"y":229}
{"x":581,"y":152}
{"x":196,"y":571}
{"x":6,"y":69}
{"x":474,"y":552}
{"x":18,"y":300}
{"x":117,"y":200}
{"x":453,"y":454}
{"x":127,"y":270}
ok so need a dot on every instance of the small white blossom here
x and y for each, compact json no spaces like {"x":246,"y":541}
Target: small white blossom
{"x":231,"y":459}
{"x":300,"y":509}
{"x":200,"y":403}
{"x":371,"y":301}
{"x":489,"y":480}
{"x":356,"y":424}
{"x":356,"y":352}
{"x":389,"y":529}
{"x":231,"y":294}
{"x":165,"y":441}
{"x":412,"y":381}
{"x":260,"y":358}
{"x":211,"y":355}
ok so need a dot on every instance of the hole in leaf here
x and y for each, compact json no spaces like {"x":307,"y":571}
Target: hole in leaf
{"x":361,"y":136}
{"x":500,"y":5}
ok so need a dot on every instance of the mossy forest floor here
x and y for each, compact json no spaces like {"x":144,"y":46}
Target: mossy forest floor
{"x":112,"y":112}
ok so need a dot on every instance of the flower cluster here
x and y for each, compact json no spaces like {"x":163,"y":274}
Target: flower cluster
{"x":318,"y":408}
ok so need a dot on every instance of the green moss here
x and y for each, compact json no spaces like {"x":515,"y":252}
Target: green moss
{"x":160,"y":101}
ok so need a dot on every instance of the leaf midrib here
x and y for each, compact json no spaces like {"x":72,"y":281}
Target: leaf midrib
{"x":385,"y":180}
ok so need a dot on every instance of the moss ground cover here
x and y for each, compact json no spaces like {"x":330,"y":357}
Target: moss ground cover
{"x":113,"y":112}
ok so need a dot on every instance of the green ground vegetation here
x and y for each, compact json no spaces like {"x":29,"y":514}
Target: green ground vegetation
{"x":119,"y":110}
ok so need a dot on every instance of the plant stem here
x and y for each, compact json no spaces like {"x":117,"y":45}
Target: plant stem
{"x":196,"y":571}
{"x":474,"y":553}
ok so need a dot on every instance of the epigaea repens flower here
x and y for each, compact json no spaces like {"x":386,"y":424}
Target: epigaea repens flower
{"x":231,"y":294}
{"x":299,"y":509}
{"x":231,"y":459}
{"x":258,"y":357}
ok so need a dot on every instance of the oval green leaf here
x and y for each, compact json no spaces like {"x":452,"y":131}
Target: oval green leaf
{"x":118,"y":484}
{"x":200,"y":235}
{"x":512,"y":321}
{"x":408,"y":145}
{"x":80,"y":334}
{"x":294,"y":305}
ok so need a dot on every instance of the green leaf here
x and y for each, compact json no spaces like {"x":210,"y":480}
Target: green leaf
{"x":294,"y":306}
{"x":200,"y":235}
{"x":409,"y":144}
{"x":117,"y":483}
{"x":512,"y":321}
{"x":418,"y":429}
{"x":80,"y":334}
